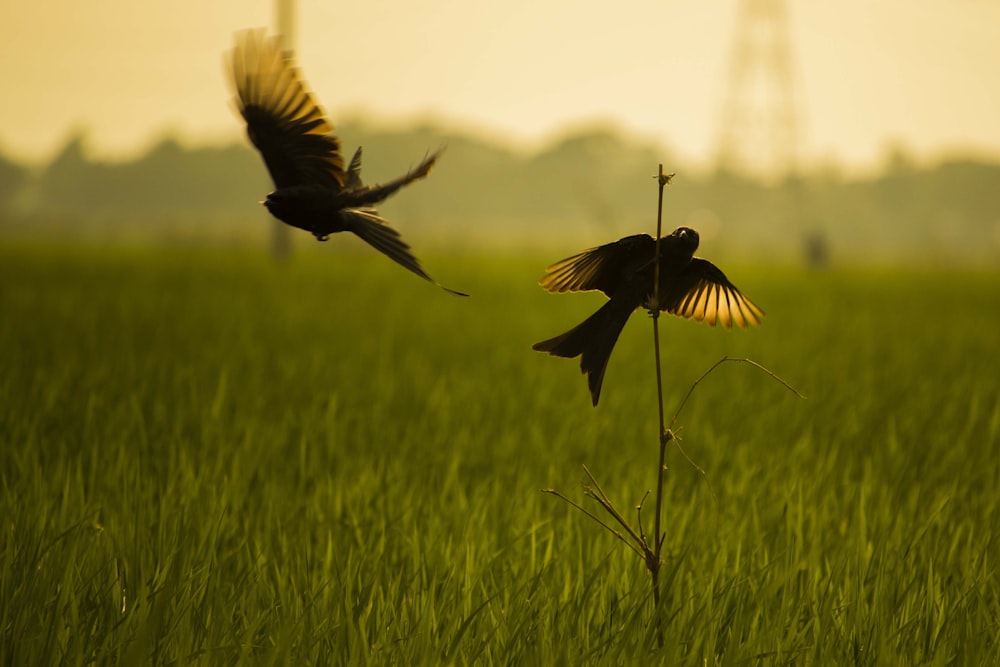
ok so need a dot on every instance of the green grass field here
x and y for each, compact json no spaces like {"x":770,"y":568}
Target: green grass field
{"x":210,"y":459}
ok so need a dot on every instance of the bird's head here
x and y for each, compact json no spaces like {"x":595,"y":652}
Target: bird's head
{"x":687,"y":237}
{"x":275,"y":202}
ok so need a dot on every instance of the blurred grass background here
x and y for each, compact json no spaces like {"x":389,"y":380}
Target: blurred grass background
{"x":212,"y":458}
{"x":209,"y":457}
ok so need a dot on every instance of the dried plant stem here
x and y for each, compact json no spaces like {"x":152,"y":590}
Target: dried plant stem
{"x":762,"y":369}
{"x":636,"y":539}
{"x":664,"y":436}
{"x":613,"y":531}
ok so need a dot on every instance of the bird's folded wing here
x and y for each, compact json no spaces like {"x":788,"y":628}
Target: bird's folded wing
{"x":602,"y":268}
{"x":703,"y":293}
{"x":283,"y":120}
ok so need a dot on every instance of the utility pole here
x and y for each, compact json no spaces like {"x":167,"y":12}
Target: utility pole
{"x":285,"y":10}
{"x":759,"y":133}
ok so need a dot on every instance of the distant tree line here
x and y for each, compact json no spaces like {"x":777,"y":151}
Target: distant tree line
{"x":592,"y":184}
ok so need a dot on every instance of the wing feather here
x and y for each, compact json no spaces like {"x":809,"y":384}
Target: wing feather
{"x":361,"y":196}
{"x":602,"y":268}
{"x":284,"y":122}
{"x":354,"y":171}
{"x":703,"y":293}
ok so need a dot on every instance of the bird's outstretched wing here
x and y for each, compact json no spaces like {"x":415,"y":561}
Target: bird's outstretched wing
{"x":602,"y":268}
{"x":283,"y":120}
{"x":703,"y":293}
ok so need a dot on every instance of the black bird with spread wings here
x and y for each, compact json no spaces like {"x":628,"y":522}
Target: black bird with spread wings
{"x":624,"y":270}
{"x":312,"y":190}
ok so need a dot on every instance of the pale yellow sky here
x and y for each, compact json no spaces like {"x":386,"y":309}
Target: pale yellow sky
{"x":920,"y":72}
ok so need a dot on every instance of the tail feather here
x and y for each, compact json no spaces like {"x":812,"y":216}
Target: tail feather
{"x":376,"y":232}
{"x":593,"y":341}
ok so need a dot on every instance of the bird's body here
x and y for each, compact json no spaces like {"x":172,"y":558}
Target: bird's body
{"x":625,"y":272}
{"x":312,"y":191}
{"x":313,"y":208}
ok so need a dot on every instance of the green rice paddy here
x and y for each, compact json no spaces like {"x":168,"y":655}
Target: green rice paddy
{"x":208,"y":458}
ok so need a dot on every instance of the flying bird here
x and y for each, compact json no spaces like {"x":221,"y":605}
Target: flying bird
{"x":312,"y":190}
{"x":624,"y":270}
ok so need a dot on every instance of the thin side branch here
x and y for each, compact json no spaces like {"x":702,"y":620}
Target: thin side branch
{"x":609,"y":507}
{"x":638,"y":516}
{"x":772,"y":374}
{"x":616,"y":533}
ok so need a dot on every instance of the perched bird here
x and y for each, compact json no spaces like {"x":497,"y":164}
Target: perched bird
{"x":312,"y":190}
{"x":624,"y":270}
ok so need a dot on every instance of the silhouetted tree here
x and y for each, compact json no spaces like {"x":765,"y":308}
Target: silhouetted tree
{"x":13,"y":177}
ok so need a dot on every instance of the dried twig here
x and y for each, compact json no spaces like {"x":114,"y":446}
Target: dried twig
{"x":636,"y":539}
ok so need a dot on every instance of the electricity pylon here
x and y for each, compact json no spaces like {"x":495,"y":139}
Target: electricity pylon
{"x":760,"y":125}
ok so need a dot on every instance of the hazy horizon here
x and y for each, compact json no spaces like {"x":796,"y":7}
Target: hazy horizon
{"x":866,"y":77}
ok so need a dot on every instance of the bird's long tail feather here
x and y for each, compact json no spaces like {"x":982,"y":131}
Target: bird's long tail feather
{"x":375,"y":231}
{"x":592,"y":340}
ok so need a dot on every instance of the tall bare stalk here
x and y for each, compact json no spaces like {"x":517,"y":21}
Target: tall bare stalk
{"x":635,"y":538}
{"x":664,"y":435}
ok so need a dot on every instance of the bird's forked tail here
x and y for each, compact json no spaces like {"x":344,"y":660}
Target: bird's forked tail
{"x":592,"y":340}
